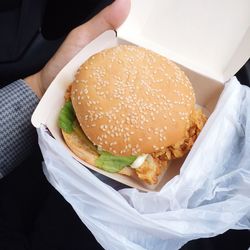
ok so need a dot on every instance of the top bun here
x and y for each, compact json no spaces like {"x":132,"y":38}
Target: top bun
{"x":130,"y":100}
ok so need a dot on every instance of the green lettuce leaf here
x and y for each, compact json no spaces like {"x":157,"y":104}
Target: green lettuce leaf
{"x":67,"y":117}
{"x":113,"y":164}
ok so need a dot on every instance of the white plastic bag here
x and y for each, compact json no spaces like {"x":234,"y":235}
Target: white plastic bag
{"x":210,"y":196}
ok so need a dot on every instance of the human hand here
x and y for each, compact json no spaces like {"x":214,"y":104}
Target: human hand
{"x":109,"y":18}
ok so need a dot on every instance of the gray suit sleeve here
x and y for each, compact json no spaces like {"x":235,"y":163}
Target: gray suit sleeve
{"x":17,"y":136}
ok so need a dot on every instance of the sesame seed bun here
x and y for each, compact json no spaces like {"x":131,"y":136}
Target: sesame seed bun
{"x":130,"y":100}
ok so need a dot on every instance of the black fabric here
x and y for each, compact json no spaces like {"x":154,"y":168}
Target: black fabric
{"x":19,"y":22}
{"x":33,"y":215}
{"x":243,"y":74}
{"x":23,"y":50}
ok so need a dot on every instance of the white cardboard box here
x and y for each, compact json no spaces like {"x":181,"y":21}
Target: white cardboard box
{"x":210,"y":40}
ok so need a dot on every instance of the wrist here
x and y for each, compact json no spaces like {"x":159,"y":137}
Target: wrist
{"x":35,"y":83}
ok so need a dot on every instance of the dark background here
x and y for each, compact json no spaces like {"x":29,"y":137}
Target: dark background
{"x":33,"y":215}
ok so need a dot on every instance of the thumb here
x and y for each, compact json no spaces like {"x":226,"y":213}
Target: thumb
{"x":109,"y":18}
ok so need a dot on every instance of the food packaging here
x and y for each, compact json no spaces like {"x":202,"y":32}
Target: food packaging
{"x":200,"y":196}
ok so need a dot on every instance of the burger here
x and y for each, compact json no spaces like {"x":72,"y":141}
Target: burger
{"x":130,"y":110}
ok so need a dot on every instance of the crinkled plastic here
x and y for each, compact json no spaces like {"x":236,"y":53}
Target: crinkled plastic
{"x":209,"y":196}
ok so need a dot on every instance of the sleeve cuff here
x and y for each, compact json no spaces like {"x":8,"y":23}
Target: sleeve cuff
{"x":17,"y":135}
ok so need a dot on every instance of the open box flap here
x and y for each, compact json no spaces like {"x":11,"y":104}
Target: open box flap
{"x":210,"y":37}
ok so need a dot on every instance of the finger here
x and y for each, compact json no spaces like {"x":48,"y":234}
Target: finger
{"x":112,"y":16}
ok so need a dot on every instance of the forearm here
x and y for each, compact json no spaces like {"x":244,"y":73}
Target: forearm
{"x":17,"y":136}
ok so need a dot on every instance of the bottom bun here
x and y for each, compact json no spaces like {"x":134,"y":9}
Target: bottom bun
{"x":85,"y":150}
